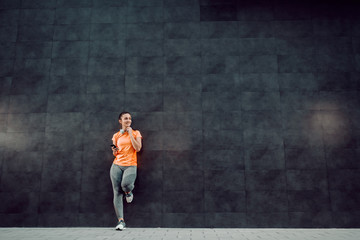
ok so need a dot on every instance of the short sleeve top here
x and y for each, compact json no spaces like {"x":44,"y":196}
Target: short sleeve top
{"x":126,"y":155}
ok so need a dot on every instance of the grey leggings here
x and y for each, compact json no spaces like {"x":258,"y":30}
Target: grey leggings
{"x":122,"y":179}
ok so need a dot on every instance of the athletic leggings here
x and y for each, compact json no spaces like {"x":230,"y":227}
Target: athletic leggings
{"x":122,"y":179}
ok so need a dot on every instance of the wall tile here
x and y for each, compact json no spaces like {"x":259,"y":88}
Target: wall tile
{"x":55,"y":202}
{"x":182,"y":30}
{"x":258,"y":64}
{"x":67,"y":84}
{"x":234,"y":220}
{"x":267,"y":220}
{"x":145,"y":31}
{"x":181,"y":14}
{"x":181,"y":83}
{"x":334,"y":63}
{"x":343,"y":179}
{"x":320,"y":219}
{"x":33,"y":49}
{"x":183,"y":202}
{"x":73,"y":32}
{"x":298,"y":82}
{"x":107,"y":31}
{"x":293,"y":28}
{"x":220,"y":65}
{"x":144,"y":48}
{"x":308,"y":201}
{"x":60,"y":181}
{"x":37,"y":16}
{"x":108,"y":15}
{"x":8,"y":50}
{"x":145,"y":14}
{"x":331,"y":27}
{"x":182,"y":140}
{"x":183,"y":65}
{"x":265,"y":180}
{"x":182,"y":47}
{"x":213,"y":101}
{"x":69,"y":3}
{"x":218,"y":180}
{"x":182,"y":160}
{"x":8,"y":33}
{"x":264,"y":157}
{"x":258,"y":29}
{"x":9,"y":16}
{"x":110,"y":49}
{"x":32,"y":122}
{"x":93,"y":181}
{"x":65,"y":103}
{"x":344,"y":200}
{"x":21,"y":183}
{"x":293,"y":46}
{"x":59,"y":141}
{"x":260,"y":101}
{"x":218,"y":13}
{"x":70,"y":49}
{"x":342,"y":158}
{"x":110,"y":3}
{"x":182,"y":121}
{"x":28,"y":103}
{"x":223,"y":159}
{"x":215,"y":201}
{"x":183,"y":180}
{"x":19,"y":202}
{"x":8,"y":4}
{"x":229,"y":47}
{"x":218,"y":121}
{"x":296,"y":63}
{"x":70,"y":66}
{"x":56,"y":220}
{"x":36,"y":4}
{"x":182,"y":102}
{"x":266,"y":201}
{"x":257,"y":46}
{"x":183,"y":220}
{"x":306,"y":180}
{"x":305,"y":158}
{"x":58,"y":160}
{"x":23,"y":162}
{"x":72,"y":15}
{"x":56,"y":122}
{"x":106,"y":66}
{"x":105,"y":84}
{"x":225,"y":29}
{"x":257,"y":11}
{"x":145,"y":66}
{"x":226,"y":139}
{"x":30,"y":141}
{"x":35,"y":32}
{"x":144,"y":102}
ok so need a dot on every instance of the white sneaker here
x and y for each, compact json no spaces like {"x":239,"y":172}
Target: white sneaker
{"x":120,"y":225}
{"x":129,"y":197}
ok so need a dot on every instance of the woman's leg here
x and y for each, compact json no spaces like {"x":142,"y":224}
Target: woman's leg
{"x":128,"y":180}
{"x":116,"y":175}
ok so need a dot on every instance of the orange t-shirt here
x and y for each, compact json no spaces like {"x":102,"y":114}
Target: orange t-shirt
{"x":126,"y":155}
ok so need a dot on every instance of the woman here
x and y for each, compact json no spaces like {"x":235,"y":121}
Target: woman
{"x":126,"y":143}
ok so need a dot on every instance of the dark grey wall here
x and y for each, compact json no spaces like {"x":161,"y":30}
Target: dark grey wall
{"x":249,"y":111}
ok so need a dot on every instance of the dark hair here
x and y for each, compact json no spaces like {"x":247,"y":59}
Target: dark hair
{"x":121,"y":114}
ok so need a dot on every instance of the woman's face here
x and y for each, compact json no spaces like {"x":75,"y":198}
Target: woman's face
{"x":125,"y":120}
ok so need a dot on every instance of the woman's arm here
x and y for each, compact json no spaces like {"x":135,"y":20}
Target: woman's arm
{"x":136,"y":143}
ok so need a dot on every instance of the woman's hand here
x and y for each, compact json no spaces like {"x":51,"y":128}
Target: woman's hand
{"x":114,"y":149}
{"x":129,"y":130}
